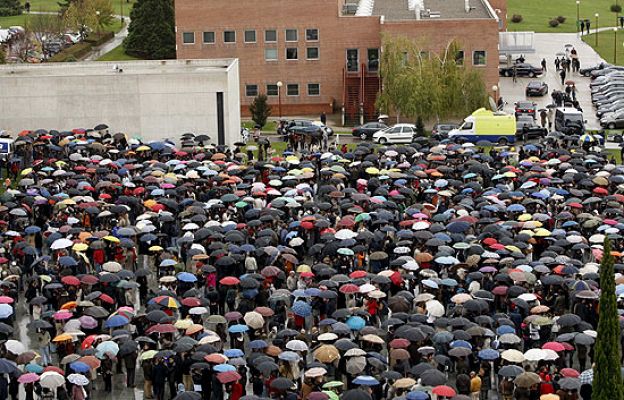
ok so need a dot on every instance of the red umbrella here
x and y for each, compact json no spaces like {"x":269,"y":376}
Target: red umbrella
{"x":54,"y":369}
{"x":229,"y":280}
{"x":270,"y":271}
{"x":554,"y":346}
{"x":399,"y":343}
{"x":500,"y":290}
{"x":89,"y":279}
{"x":215,"y":358}
{"x":228,"y":377}
{"x":233,"y":316}
{"x":191,"y":302}
{"x":443,"y":390}
{"x":161,"y":328}
{"x":107,"y":299}
{"x":70,"y":280}
{"x":6,"y":300}
{"x":358,"y":274}
{"x":349,"y":288}
{"x":88,"y":341}
{"x":265,"y":311}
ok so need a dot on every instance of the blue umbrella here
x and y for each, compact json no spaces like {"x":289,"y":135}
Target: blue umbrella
{"x":289,"y":356}
{"x":79,"y":367}
{"x":461,"y":343}
{"x":116,"y":321}
{"x":169,"y":262}
{"x":232,"y":353}
{"x":356,"y":323}
{"x":6,"y":310}
{"x":31,"y":230}
{"x":417,"y":395}
{"x":187,"y":277}
{"x":458,"y":227}
{"x":67,"y":261}
{"x":250,"y":293}
{"x":366,"y":380}
{"x":148,"y":237}
{"x":488,"y":354}
{"x":503,"y":329}
{"x":258,"y":344}
{"x":224,"y":368}
{"x":36,"y":368}
{"x":302,"y":309}
{"x":516,"y":208}
{"x":248,"y":248}
{"x":238,"y":328}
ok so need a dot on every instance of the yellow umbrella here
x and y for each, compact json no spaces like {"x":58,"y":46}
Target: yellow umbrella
{"x":62,"y":338}
{"x":26,"y":171}
{"x":513,"y":249}
{"x":525,"y":217}
{"x":68,"y":202}
{"x":532,"y":225}
{"x":80,"y":247}
{"x":183,"y":323}
{"x":111,"y":239}
{"x":372,"y":171}
{"x":303,"y":268}
{"x":143,"y":148}
{"x":541,"y":232}
{"x":155,"y":248}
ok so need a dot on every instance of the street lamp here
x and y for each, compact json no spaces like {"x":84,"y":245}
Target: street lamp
{"x":495,"y":90}
{"x":578,"y":16}
{"x":615,"y":29}
{"x":121,"y":7}
{"x":279,"y":98}
{"x":596,"y":15}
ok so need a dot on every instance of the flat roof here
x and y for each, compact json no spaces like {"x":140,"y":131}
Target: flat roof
{"x":94,"y":68}
{"x":394,"y":10}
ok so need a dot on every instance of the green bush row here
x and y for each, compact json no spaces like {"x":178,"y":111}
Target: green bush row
{"x":9,"y":11}
{"x":72,"y":53}
{"x":97,"y":39}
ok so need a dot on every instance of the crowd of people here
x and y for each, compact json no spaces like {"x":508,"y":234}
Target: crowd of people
{"x":431,"y":270}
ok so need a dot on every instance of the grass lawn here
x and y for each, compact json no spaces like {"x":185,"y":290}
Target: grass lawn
{"x":5,"y":22}
{"x":52,"y":5}
{"x":606,"y":45}
{"x":117,"y":54}
{"x":537,"y":13}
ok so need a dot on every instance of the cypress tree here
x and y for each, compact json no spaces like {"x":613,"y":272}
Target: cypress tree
{"x":607,"y":384}
{"x":151,"y":33}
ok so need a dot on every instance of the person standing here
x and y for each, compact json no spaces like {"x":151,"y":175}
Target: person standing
{"x":557,"y":63}
{"x":544,"y":64}
{"x":130,"y":362}
{"x":323,"y":118}
{"x":582,"y":27}
{"x":562,"y":74}
{"x":43,"y":342}
{"x":543,"y":117}
{"x":587,"y":25}
{"x":475,"y":386}
{"x":515,"y":74}
{"x":107,"y":373}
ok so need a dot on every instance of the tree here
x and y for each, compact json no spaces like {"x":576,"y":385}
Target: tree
{"x":2,"y":55}
{"x":427,"y":85}
{"x":151,"y":33}
{"x":10,"y":7}
{"x":260,"y":109}
{"x":607,"y":384}
{"x":44,"y":27}
{"x":94,"y":15}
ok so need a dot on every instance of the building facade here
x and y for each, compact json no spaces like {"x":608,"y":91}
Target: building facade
{"x":312,"y":56}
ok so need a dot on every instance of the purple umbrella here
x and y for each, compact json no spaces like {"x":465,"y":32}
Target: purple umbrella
{"x":88,"y":322}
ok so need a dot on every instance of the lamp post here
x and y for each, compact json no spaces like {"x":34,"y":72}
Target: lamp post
{"x":121,"y":7}
{"x":578,"y":16}
{"x":279,"y":98}
{"x":596,"y":15}
{"x":495,"y":90}
{"x":615,"y":29}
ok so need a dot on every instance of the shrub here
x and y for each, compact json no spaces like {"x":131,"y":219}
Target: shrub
{"x":260,"y":110}
{"x":561,"y":19}
{"x":553,"y":23}
{"x":616,"y":8}
{"x":420,"y":126}
{"x":516,"y":18}
{"x":97,"y":39}
{"x":72,"y":53}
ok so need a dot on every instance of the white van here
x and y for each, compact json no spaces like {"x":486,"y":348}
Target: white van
{"x":6,"y":147}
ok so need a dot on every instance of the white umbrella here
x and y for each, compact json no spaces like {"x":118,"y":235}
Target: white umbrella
{"x":366,"y":288}
{"x":535,"y":355}
{"x":315,"y":372}
{"x":435,"y":308}
{"x":198,"y":311}
{"x":51,"y":380}
{"x":297,"y":345}
{"x":190,"y":227}
{"x":61,"y":243}
{"x":78,"y":379}
{"x":355,"y":352}
{"x":461,"y":298}
{"x":14,"y":347}
{"x":112,"y":266}
{"x":345,"y":234}
{"x":550,"y":355}
{"x":376,"y":294}
{"x":254,"y":320}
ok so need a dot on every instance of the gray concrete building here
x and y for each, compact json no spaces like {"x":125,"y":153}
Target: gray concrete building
{"x":153,"y":100}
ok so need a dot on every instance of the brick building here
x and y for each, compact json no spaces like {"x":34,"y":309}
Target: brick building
{"x":310,"y":56}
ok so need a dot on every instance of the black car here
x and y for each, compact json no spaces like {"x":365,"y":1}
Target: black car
{"x":366,"y":131}
{"x":307,"y":127}
{"x":587,"y":71}
{"x":440,"y":131}
{"x":526,"y":129}
{"x":536,"y":88}
{"x":521,"y":70}
{"x":526,"y":108}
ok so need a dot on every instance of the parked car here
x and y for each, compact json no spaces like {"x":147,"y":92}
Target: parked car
{"x":306,"y":127}
{"x":527,"y":128}
{"x":603,"y":80}
{"x":366,"y":131}
{"x":536,"y":88}
{"x":607,"y":86}
{"x":613,"y":121}
{"x":609,"y":108}
{"x":399,"y":133}
{"x":440,"y":131}
{"x":587,"y":71}
{"x":600,"y":72}
{"x":521,"y":70}
{"x":608,"y":99}
{"x":526,"y":108}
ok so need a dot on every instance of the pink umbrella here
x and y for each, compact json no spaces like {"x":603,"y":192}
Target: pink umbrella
{"x":6,"y":300}
{"x":28,"y":378}
{"x":62,"y":315}
{"x":88,"y":322}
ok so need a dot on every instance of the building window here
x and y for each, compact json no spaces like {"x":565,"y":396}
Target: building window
{"x":270,"y":54}
{"x":272,"y":89}
{"x":209,"y":37}
{"x":459,"y":57}
{"x":314,"y":89}
{"x":229,"y":36}
{"x":478,"y":57}
{"x":353,"y":61}
{"x":312,"y":35}
{"x":250,"y":36}
{"x":291,"y":35}
{"x":188,"y":37}
{"x":270,"y":36}
{"x":251,"y":90}
{"x":292,"y":89}
{"x":291,"y":53}
{"x":312,"y":53}
{"x":373,"y":60}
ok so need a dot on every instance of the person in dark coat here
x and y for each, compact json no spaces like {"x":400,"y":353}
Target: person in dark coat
{"x":159,"y":378}
{"x":107,"y":373}
{"x":130,"y":363}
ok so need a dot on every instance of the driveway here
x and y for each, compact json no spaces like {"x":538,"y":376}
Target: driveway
{"x":547,"y":46}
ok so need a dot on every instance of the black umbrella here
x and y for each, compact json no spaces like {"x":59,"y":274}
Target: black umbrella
{"x":188,"y":396}
{"x":282,"y":384}
{"x":432,"y":377}
{"x":510,"y":371}
{"x":356,"y":394}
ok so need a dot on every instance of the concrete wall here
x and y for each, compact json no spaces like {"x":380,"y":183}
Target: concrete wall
{"x":153,"y":99}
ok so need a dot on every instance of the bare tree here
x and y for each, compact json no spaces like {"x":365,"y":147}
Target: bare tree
{"x":43,"y":27}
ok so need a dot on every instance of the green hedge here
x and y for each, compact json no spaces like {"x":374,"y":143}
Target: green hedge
{"x":97,"y":39}
{"x":72,"y":53}
{"x":9,"y":12}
